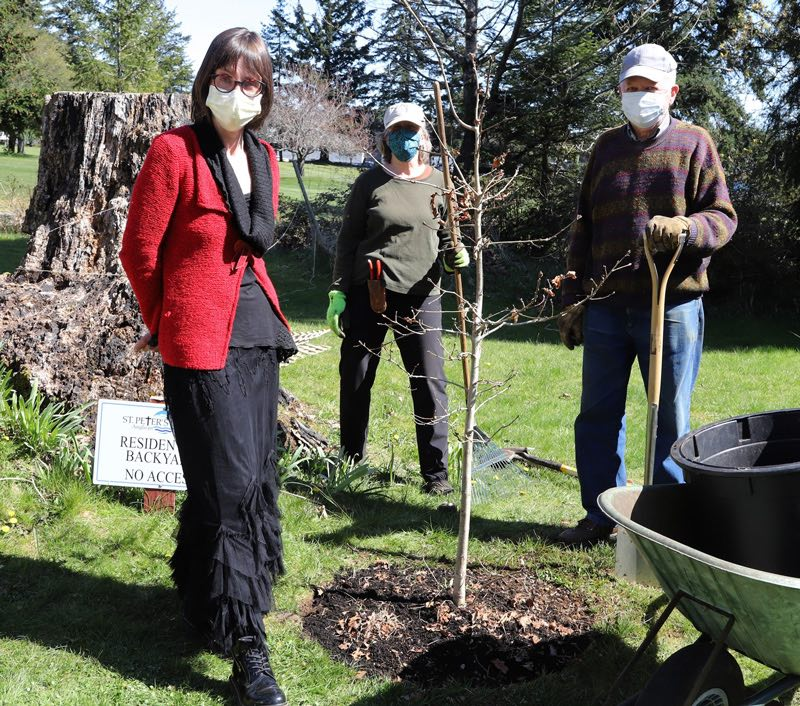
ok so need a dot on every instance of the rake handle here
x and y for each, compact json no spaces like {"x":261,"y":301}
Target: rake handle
{"x":524,"y":454}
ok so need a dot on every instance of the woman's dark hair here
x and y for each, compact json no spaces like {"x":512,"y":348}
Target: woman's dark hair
{"x":227,"y":49}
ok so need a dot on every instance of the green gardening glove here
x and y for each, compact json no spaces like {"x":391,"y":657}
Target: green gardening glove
{"x":337,"y":302}
{"x":456,"y":258}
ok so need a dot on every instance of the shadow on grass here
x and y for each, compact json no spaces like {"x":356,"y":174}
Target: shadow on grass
{"x":586,"y":681}
{"x":131,"y":629}
{"x":375,"y":515}
{"x":13,"y":247}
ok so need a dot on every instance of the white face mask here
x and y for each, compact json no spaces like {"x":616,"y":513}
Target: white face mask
{"x":232,"y":110}
{"x":644,"y":109}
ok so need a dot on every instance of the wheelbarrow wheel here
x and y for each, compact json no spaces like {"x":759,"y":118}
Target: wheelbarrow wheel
{"x":671,"y":684}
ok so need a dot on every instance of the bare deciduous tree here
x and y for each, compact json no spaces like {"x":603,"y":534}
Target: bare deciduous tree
{"x":313,"y":113}
{"x":475,"y":190}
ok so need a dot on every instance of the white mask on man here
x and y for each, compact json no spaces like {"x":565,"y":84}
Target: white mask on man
{"x":233,"y":110}
{"x":644,"y":109}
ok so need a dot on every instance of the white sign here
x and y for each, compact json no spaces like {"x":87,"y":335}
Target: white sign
{"x":134,"y":446}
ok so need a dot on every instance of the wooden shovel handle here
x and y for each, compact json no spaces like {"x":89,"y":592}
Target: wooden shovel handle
{"x":658,"y":305}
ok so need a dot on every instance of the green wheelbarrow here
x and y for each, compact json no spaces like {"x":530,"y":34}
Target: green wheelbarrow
{"x":732,"y":605}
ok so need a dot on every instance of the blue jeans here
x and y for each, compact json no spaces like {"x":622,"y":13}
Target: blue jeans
{"x":613,"y":337}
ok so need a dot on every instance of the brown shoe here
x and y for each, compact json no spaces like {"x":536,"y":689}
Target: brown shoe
{"x":437,"y":487}
{"x":587,"y":531}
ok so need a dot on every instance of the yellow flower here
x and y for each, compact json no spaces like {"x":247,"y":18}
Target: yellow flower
{"x":5,"y":529}
{"x":10,"y":513}
{"x":12,"y":520}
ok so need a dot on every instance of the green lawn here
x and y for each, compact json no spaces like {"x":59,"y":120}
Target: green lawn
{"x":18,"y":174}
{"x":88,"y":612}
{"x":316,"y":177}
{"x":90,"y":617}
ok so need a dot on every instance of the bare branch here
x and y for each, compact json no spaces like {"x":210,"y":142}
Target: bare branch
{"x":313,"y":113}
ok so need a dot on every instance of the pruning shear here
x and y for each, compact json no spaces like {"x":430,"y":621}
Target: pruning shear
{"x":375,"y":268}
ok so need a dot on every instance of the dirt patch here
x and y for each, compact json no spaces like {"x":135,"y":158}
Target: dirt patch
{"x":399,"y":622}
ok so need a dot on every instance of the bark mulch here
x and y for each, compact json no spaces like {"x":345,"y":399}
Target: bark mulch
{"x":399,"y":622}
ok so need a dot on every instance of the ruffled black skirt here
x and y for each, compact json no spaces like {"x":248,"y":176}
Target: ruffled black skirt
{"x":229,"y":549}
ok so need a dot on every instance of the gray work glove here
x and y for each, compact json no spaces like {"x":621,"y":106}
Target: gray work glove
{"x":570,"y":325}
{"x":664,"y":231}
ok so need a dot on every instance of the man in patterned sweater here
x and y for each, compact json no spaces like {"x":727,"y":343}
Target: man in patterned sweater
{"x":663,"y":176}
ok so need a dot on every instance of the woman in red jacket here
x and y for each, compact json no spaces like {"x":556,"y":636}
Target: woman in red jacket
{"x":202,"y":215}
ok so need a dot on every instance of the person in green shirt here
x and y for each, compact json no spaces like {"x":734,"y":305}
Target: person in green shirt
{"x":387,"y":270}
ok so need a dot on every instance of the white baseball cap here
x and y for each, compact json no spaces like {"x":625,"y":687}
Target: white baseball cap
{"x":403,"y":113}
{"x":650,"y":61}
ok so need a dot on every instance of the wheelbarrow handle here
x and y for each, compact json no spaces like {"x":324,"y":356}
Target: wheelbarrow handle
{"x":658,"y":305}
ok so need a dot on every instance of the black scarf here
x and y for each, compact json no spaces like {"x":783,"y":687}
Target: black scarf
{"x":256,"y":224}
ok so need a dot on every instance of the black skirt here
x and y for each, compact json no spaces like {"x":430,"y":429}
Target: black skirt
{"x":229,"y":548}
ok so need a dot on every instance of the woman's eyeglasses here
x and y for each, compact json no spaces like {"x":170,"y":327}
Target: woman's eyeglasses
{"x":225,"y":84}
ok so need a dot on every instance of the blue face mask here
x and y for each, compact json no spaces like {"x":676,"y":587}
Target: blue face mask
{"x":404,"y":143}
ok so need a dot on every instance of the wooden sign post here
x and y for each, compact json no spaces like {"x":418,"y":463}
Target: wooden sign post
{"x":155,"y":498}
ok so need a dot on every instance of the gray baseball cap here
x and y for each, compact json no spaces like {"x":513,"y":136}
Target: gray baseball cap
{"x":649,"y":61}
{"x":403,"y":113}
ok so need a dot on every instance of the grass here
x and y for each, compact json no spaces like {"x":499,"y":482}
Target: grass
{"x":316,"y":177}
{"x":18,"y":174}
{"x":91,"y":618}
{"x":12,"y":249}
{"x":89,"y":615}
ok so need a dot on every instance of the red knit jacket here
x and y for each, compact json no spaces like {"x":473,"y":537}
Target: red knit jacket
{"x":182,"y":253}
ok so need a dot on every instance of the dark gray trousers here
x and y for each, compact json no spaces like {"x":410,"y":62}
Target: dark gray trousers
{"x":416,"y":322}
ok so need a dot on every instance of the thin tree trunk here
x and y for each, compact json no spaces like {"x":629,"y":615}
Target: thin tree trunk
{"x":312,"y":217}
{"x":476,"y":337}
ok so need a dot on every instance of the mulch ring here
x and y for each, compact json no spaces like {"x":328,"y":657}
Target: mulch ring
{"x":399,"y":622}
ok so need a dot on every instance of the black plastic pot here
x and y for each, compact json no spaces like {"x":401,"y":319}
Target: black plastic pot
{"x":745,"y":479}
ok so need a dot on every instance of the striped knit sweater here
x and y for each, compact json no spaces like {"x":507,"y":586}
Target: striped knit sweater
{"x":627,"y":182}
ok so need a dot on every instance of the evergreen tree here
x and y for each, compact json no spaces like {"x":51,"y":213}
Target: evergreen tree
{"x":408,"y":67}
{"x":331,"y":42}
{"x":31,"y":66}
{"x":472,"y":37}
{"x":559,"y":90}
{"x":123,"y":45}
{"x":276,"y":37}
{"x":784,"y":115}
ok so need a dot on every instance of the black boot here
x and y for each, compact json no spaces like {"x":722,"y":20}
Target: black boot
{"x":252,"y":679}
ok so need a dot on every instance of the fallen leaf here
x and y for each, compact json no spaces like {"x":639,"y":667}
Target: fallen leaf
{"x":500,"y":665}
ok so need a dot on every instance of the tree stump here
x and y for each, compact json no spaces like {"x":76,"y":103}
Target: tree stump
{"x":93,"y":145}
{"x":68,"y":317}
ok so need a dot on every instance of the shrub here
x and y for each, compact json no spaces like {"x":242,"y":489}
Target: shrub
{"x":325,"y":474}
{"x":294,"y":230}
{"x":49,"y":431}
